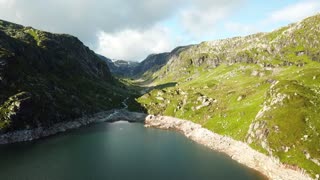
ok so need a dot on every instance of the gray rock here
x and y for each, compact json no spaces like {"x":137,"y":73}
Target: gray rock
{"x":37,"y":133}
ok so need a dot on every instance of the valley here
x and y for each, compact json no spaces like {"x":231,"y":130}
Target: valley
{"x":262,"y":90}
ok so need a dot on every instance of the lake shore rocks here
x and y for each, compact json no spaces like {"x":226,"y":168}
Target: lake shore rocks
{"x":238,"y":151}
{"x":37,"y":133}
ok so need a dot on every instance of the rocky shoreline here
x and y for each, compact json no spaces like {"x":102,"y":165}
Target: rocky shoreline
{"x":37,"y":133}
{"x":238,"y":151}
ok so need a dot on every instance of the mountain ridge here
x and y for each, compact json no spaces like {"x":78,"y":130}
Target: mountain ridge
{"x":151,"y":64}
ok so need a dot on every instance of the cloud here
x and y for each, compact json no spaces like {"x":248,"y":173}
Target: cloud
{"x":84,"y":18}
{"x":115,"y":21}
{"x":239,"y":28}
{"x":295,"y":12}
{"x":135,"y":44}
{"x":289,"y":14}
{"x":130,"y":29}
{"x":202,"y":16}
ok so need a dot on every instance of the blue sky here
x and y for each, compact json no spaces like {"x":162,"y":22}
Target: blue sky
{"x":248,"y":18}
{"x":133,"y":29}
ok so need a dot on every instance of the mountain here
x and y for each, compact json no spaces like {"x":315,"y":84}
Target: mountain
{"x":47,"y":78}
{"x":263,"y":89}
{"x":120,"y":68}
{"x":155,"y":62}
{"x":146,"y":68}
{"x":124,"y":67}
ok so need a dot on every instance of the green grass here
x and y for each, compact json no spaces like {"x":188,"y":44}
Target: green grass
{"x":34,"y":34}
{"x":274,"y":75}
{"x":231,"y":116}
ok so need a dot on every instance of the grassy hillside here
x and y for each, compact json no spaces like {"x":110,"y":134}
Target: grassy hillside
{"x":47,"y":78}
{"x":263,"y":89}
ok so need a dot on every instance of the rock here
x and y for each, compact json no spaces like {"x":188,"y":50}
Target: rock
{"x":160,"y":98}
{"x":307,"y":155}
{"x":255,"y":73}
{"x":240,"y":98}
{"x":286,"y":149}
{"x":305,"y":137}
{"x":301,"y":53}
{"x":36,"y":133}
{"x":239,"y":151}
{"x":159,"y":93}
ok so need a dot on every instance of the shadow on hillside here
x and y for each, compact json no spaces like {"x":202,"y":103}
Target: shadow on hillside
{"x":132,"y":103}
{"x":136,"y":90}
{"x":134,"y":106}
{"x":144,"y":82}
{"x":159,"y":87}
{"x":163,"y":86}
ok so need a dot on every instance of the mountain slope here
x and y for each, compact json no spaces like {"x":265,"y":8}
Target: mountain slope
{"x":155,"y":62}
{"x":263,"y":89}
{"x":48,"y":78}
{"x":144,"y":69}
{"x":120,"y":68}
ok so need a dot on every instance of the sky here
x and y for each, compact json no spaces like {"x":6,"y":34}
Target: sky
{"x":133,"y":29}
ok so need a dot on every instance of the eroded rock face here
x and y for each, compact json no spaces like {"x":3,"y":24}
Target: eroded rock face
{"x":258,"y":132}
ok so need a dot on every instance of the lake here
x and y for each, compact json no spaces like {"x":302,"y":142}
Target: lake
{"x":118,"y":151}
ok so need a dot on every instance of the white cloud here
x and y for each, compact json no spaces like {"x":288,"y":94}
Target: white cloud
{"x":202,"y":16}
{"x":83,"y":18}
{"x":135,"y":44}
{"x":295,"y":12}
{"x":130,"y":21}
{"x":241,"y":29}
{"x":199,"y":23}
{"x":6,"y":3}
{"x":289,"y":14}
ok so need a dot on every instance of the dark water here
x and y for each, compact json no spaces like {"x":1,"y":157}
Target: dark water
{"x":117,"y":151}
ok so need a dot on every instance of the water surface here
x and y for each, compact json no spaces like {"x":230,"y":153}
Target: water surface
{"x":118,"y":151}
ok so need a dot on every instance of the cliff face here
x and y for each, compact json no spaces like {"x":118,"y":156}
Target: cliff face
{"x":262,"y":89}
{"x":47,"y":78}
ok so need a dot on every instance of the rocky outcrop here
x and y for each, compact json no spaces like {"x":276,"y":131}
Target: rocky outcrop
{"x":237,"y":150}
{"x":37,"y":133}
